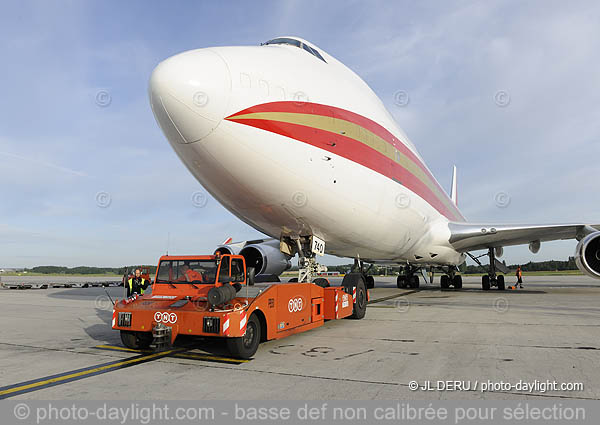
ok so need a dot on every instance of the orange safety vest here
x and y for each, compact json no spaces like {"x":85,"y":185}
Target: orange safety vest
{"x":130,"y":282}
{"x":193,"y":275}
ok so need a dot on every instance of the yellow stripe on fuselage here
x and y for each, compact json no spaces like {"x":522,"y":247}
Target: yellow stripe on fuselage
{"x":358,"y":133}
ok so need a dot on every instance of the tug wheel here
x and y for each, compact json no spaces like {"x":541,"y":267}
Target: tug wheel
{"x":322,"y":282}
{"x":356,"y":280}
{"x":360,"y":306}
{"x":245,"y":347}
{"x":136,"y":340}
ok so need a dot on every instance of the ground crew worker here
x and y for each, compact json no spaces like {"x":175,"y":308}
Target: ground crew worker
{"x":519,"y":275}
{"x":191,"y":275}
{"x":136,"y":284}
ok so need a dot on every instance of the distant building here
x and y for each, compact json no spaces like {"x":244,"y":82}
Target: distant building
{"x":9,"y":269}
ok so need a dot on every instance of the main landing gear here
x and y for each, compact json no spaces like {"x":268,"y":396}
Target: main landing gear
{"x":491,"y":279}
{"x":451,"y":279}
{"x":408,"y":277}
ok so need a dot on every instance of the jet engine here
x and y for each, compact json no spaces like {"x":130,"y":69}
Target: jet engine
{"x":587,"y":255}
{"x":266,"y":258}
{"x":231,"y":249}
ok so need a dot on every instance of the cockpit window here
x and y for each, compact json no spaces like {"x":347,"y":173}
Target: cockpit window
{"x":291,"y":41}
{"x":297,"y":43}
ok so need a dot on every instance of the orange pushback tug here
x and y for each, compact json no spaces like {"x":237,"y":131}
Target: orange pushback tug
{"x":198,"y":295}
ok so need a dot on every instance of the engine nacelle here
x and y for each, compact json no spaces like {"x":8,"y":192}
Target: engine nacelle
{"x":587,"y":255}
{"x":228,"y":249}
{"x":266,"y":258}
{"x":534,"y":246}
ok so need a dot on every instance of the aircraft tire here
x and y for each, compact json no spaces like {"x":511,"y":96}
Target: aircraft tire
{"x":401,"y":281}
{"x":500,"y":282}
{"x":414,"y":281}
{"x":485,"y":282}
{"x":457,"y":282}
{"x":445,"y":281}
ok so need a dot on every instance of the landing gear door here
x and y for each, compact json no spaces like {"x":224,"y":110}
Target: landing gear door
{"x":294,"y":306}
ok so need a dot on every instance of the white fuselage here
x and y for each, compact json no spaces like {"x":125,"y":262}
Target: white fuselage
{"x":266,"y":130}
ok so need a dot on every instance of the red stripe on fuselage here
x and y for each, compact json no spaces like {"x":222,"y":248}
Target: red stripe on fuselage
{"x":356,"y":152}
{"x":343,"y":114}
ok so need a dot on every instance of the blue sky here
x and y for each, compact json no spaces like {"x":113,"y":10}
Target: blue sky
{"x":75,"y":123}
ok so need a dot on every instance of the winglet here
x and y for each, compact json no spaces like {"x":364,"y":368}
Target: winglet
{"x":227,"y":241}
{"x":453,"y":194}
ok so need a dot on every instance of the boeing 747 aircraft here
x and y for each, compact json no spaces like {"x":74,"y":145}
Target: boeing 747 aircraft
{"x":296,"y":145}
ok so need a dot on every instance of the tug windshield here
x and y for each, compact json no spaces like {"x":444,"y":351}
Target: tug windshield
{"x":187,"y":271}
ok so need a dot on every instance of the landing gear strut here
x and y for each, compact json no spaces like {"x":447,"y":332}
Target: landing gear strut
{"x":490,"y":279}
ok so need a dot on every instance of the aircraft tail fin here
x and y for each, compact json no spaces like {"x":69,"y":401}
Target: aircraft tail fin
{"x":453,"y":194}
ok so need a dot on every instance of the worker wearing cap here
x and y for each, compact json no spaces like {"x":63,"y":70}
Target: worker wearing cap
{"x":136,"y":284}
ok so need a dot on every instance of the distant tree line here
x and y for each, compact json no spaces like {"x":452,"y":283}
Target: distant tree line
{"x":84,"y":270}
{"x":531,"y":266}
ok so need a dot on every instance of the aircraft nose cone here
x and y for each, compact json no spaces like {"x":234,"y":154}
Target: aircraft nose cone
{"x":189,"y":94}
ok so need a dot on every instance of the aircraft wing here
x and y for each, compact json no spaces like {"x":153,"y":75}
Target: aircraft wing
{"x":472,"y":236}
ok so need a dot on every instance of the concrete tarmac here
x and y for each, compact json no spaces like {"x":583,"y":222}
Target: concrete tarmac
{"x":548,"y":331}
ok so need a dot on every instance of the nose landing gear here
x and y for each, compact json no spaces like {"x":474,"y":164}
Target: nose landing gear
{"x":308,"y":267}
{"x":451,"y":279}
